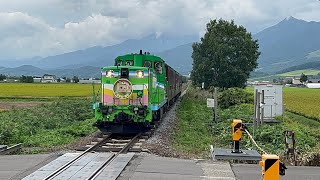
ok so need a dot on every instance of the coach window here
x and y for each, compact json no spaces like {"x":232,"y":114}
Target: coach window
{"x":158,"y":67}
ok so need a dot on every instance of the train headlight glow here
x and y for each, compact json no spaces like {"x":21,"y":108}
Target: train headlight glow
{"x":140,"y":74}
{"x":109,"y":74}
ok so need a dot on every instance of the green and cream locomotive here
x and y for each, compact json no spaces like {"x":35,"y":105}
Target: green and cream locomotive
{"x":136,"y":92}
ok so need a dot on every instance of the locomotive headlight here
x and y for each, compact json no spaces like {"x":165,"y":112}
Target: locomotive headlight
{"x":109,"y":74}
{"x":139,"y":74}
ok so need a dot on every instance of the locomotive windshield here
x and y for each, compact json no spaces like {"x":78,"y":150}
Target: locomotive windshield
{"x":129,"y":63}
{"x":147,"y":64}
{"x":158,"y":67}
{"x":119,"y":63}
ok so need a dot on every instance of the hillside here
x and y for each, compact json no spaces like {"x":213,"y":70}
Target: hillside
{"x":179,"y":58}
{"x":288,"y":43}
{"x":309,"y":65}
{"x":28,"y":70}
{"x":299,"y":72}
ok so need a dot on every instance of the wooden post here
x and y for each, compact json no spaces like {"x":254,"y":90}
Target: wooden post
{"x":258,"y":108}
{"x":262,"y":108}
{"x":255,"y":110}
{"x":215,"y":104}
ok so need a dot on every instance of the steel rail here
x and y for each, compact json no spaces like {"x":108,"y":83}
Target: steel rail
{"x":68,"y":164}
{"x":11,"y":149}
{"x":97,"y":172}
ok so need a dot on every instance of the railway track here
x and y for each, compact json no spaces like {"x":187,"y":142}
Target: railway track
{"x":109,"y":146}
{"x":116,"y":143}
{"x":7,"y":150}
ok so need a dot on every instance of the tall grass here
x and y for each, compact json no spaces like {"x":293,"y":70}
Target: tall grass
{"x":48,"y":125}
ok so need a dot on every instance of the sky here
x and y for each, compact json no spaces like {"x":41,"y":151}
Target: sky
{"x":31,"y":28}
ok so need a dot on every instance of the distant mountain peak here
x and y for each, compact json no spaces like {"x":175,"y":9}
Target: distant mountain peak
{"x":290,"y":18}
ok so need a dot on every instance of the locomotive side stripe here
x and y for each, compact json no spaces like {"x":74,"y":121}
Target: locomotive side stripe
{"x":140,"y":86}
{"x":108,"y":92}
{"x":108,"y":86}
{"x":134,"y":87}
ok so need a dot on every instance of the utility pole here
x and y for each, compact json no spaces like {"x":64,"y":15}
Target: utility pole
{"x":215,"y":104}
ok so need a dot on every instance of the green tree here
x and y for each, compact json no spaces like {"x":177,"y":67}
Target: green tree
{"x":303,"y":78}
{"x":225,"y":56}
{"x":26,"y":79}
{"x":75,"y":79}
{"x":2,"y":77}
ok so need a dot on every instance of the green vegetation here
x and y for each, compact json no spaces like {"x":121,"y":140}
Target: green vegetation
{"x":225,"y":56}
{"x":234,"y":96}
{"x":299,"y":72}
{"x":47,"y":126}
{"x":45,"y":90}
{"x":196,"y":132}
{"x":192,"y":134}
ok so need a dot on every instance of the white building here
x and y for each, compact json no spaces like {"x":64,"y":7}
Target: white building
{"x":47,"y":78}
{"x":37,"y":79}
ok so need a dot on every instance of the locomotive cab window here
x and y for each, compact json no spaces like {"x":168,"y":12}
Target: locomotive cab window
{"x":158,"y":67}
{"x":147,"y":64}
{"x":119,"y":63}
{"x":129,"y":63}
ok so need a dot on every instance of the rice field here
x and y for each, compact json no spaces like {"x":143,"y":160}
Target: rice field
{"x":303,"y":101}
{"x":46,"y":90}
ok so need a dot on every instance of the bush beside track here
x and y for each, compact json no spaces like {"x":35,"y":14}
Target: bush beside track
{"x":195,"y":131}
{"x":48,"y":126}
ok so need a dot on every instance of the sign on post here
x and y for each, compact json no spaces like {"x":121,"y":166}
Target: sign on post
{"x":210,"y":103}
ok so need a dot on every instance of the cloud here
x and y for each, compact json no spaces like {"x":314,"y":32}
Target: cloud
{"x":42,"y":28}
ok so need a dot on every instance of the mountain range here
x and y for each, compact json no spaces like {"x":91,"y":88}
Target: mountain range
{"x":290,"y":43}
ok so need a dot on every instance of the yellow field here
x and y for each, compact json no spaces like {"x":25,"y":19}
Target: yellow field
{"x":303,"y":101}
{"x":45,"y":90}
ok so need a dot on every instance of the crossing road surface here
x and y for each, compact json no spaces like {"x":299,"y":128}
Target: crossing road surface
{"x":253,"y":172}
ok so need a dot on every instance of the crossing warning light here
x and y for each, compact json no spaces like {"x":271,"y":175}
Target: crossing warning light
{"x":271,"y":167}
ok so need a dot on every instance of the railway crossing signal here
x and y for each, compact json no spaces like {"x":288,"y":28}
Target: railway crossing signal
{"x":271,"y":166}
{"x":236,"y":135}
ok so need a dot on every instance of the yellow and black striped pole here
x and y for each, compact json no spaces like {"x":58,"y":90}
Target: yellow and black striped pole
{"x":236,"y":135}
{"x":270,"y":165}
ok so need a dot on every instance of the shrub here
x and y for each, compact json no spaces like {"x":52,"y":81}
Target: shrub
{"x":234,"y":96}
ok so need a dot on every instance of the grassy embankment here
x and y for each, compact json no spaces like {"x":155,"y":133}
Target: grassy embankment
{"x":63,"y":118}
{"x":194,"y":134}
